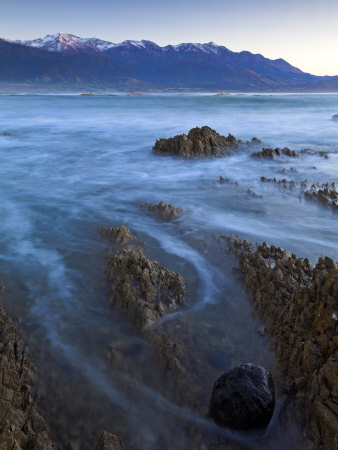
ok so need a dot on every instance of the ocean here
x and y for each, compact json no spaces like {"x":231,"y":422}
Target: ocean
{"x":74,"y":163}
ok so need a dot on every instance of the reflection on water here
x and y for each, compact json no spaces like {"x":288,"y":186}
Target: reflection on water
{"x":73,"y":164}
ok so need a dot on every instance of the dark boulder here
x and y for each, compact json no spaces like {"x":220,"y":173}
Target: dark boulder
{"x":243,"y":398}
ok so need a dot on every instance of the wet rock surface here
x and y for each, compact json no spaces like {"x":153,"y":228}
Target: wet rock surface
{"x":272,"y":153}
{"x":22,"y":427}
{"x":298,"y":304}
{"x":243,"y":398}
{"x":326,"y":194}
{"x":141,"y":287}
{"x":200,"y":143}
{"x":164,"y":211}
{"x":119,"y":235}
{"x":109,"y":441}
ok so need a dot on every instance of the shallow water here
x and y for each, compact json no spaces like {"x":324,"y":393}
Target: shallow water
{"x":74,"y":163}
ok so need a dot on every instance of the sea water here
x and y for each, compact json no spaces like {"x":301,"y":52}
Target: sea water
{"x":74,"y":163}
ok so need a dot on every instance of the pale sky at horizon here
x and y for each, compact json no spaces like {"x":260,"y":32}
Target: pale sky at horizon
{"x":303,"y":32}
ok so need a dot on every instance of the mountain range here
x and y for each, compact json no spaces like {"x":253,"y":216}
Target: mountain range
{"x":65,"y":61}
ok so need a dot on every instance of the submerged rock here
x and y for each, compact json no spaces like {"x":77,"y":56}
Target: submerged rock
{"x":228,"y":181}
{"x":253,"y":193}
{"x":21,"y":425}
{"x":163,"y":210}
{"x":200,"y":143}
{"x":270,"y":153}
{"x":243,"y":398}
{"x":299,"y":306}
{"x":109,"y":441}
{"x":308,"y":151}
{"x":142,"y":288}
{"x":6,"y":133}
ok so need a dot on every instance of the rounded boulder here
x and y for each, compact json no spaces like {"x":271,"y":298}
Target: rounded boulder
{"x":243,"y":398}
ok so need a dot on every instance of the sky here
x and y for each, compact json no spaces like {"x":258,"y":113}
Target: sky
{"x":303,"y":32}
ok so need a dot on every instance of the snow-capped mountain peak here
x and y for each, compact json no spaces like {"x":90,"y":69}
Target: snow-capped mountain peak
{"x":61,"y":42}
{"x":69,"y":43}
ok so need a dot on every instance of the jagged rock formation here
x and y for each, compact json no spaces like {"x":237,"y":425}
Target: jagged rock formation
{"x":200,"y":143}
{"x":121,"y":236}
{"x":139,"y":286}
{"x":308,"y":151}
{"x":326,"y":194}
{"x":163,"y":210}
{"x":299,"y":306}
{"x":109,"y":441}
{"x":283,"y":182}
{"x":227,"y":181}
{"x":270,"y":153}
{"x":243,"y":398}
{"x":21,"y":425}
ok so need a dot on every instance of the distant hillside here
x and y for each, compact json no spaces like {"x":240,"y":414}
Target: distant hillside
{"x":67,"y":60}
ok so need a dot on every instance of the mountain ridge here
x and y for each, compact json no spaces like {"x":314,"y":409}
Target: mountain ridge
{"x":64,"y":58}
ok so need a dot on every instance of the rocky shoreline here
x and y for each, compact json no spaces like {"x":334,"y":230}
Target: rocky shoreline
{"x":296,"y":301}
{"x":22,"y":427}
{"x":298,"y":304}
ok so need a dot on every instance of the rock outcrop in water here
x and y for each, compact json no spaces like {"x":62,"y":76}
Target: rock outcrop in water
{"x":243,"y":398}
{"x":164,"y":211}
{"x":326,"y":194}
{"x":6,"y":133}
{"x":109,"y":441}
{"x":308,"y":151}
{"x":335,"y":117}
{"x":200,"y":143}
{"x":21,"y":425}
{"x":121,"y":236}
{"x":272,"y":153}
{"x":299,"y":307}
{"x":139,"y":286}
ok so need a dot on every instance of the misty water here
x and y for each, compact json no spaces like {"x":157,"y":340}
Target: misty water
{"x":74,"y":163}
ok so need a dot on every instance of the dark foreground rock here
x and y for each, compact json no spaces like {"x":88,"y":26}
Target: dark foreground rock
{"x":141,"y":287}
{"x":299,"y":306}
{"x":243,"y":398}
{"x":272,"y":153}
{"x":200,"y":143}
{"x":164,"y":211}
{"x":21,"y":425}
{"x":109,"y":441}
